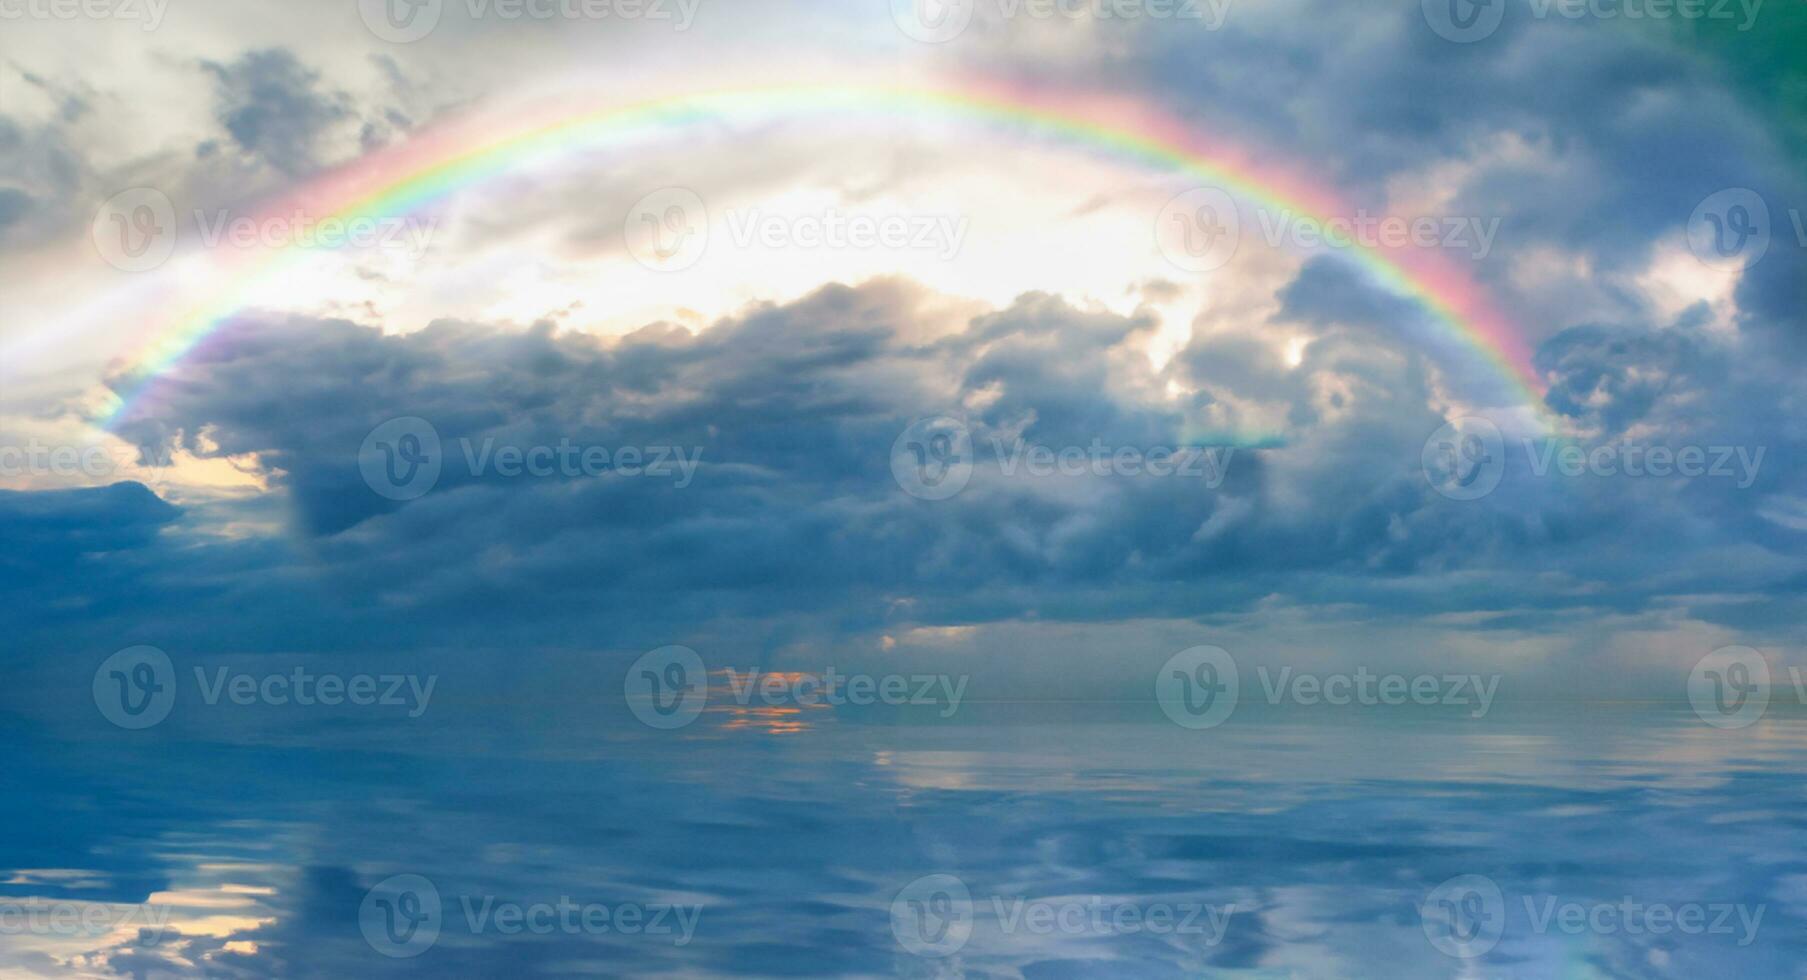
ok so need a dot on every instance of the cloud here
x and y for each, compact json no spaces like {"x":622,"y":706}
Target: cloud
{"x":1592,"y":145}
{"x":14,"y":205}
{"x":794,"y":515}
{"x":274,"y":108}
{"x":1584,"y":136}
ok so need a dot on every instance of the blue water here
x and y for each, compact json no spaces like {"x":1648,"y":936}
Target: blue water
{"x":1290,"y":844}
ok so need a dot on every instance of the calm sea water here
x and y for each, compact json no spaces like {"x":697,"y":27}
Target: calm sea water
{"x":1036,"y":841}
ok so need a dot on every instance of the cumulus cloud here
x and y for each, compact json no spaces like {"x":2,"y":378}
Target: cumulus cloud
{"x":794,"y":513}
{"x":1592,"y":145}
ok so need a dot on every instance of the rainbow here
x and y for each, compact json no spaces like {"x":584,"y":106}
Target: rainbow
{"x":439,"y":162}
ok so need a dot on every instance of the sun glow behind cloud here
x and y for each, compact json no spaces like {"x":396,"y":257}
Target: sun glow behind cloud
{"x":968,"y":227}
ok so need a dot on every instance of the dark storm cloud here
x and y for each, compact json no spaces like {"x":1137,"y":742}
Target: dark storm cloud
{"x":56,"y":532}
{"x":275,"y":108}
{"x":1593,"y":141}
{"x":1594,"y":136}
{"x":794,"y":511}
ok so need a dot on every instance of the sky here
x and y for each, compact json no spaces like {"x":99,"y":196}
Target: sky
{"x":785,"y":369}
